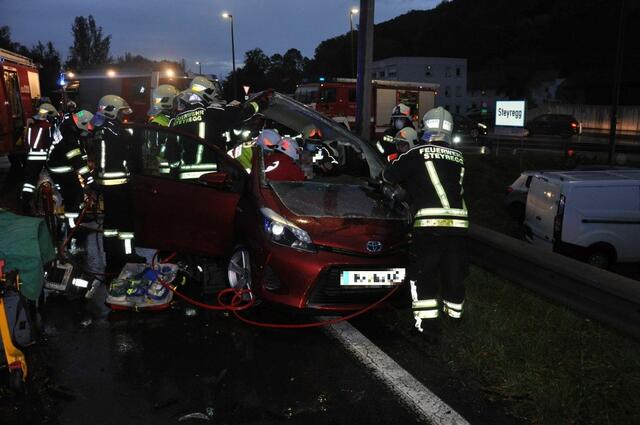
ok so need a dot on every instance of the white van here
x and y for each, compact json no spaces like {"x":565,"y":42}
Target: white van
{"x":590,"y":215}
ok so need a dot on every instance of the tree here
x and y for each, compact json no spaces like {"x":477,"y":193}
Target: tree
{"x":90,"y":48}
{"x":49,"y":59}
{"x":8,"y":44}
{"x":253,"y":73}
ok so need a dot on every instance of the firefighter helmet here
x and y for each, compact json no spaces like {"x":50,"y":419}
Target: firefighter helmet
{"x":289,"y":147}
{"x":401,"y":110}
{"x":268,"y":139}
{"x":205,"y":88}
{"x":110,"y":106}
{"x":82,"y":119}
{"x":163,"y":97}
{"x":313,"y":133}
{"x":406,"y":139}
{"x":46,"y":111}
{"x":438,"y":125}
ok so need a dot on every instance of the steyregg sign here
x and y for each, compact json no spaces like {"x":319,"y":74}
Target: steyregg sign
{"x":510,"y":113}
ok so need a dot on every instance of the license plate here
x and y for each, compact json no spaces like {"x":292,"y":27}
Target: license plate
{"x":389,"y":277}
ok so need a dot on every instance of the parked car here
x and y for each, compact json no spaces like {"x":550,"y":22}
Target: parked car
{"x":591,"y":215}
{"x":333,"y":241}
{"x":466,"y":130}
{"x":554,"y":124}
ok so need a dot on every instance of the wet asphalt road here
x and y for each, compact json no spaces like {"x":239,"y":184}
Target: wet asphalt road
{"x":143,"y":368}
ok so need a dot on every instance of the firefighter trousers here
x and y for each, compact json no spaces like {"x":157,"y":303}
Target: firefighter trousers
{"x":117,"y":236}
{"x":433,"y":255}
{"x":71,"y":191}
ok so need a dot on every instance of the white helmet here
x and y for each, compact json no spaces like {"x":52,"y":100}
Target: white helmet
{"x":110,"y":105}
{"x":438,"y":125}
{"x":401,"y":110}
{"x":407,"y":135}
{"x":205,"y":88}
{"x":163,"y":97}
{"x":82,"y":119}
{"x":268,"y":139}
{"x":46,"y":111}
{"x":289,"y":147}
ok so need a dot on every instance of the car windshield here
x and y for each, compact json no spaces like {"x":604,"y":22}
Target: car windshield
{"x":338,"y":169}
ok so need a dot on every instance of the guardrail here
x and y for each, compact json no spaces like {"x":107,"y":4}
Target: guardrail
{"x":598,"y":294}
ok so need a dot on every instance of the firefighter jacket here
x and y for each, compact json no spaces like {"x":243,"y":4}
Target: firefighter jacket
{"x":115,"y":159}
{"x":39,"y":135}
{"x":432,"y":174}
{"x":66,"y":154}
{"x":207,"y":122}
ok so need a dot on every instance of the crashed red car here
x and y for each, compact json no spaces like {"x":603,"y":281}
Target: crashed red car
{"x":333,"y":241}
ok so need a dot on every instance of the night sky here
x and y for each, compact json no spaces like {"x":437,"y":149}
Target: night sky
{"x":194,"y":29}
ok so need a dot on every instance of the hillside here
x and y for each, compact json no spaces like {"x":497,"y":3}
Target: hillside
{"x":508,"y":41}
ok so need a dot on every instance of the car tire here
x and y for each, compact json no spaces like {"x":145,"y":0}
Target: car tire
{"x":601,"y":256}
{"x":239,"y":269}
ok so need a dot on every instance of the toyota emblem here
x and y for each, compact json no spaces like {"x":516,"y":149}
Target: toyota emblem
{"x":374,"y":246}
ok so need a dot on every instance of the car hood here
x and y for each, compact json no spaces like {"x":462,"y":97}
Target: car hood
{"x":342,"y":217}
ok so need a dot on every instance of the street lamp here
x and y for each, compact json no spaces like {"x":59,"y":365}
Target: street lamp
{"x":353,"y":11}
{"x":199,"y":67}
{"x":170,"y":73}
{"x":229,"y":16}
{"x":111,"y":73}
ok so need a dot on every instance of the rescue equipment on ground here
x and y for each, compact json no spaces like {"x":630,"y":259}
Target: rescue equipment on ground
{"x":138,"y":287}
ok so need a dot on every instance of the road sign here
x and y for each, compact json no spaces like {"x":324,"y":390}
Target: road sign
{"x":246,"y":89}
{"x":510,"y":113}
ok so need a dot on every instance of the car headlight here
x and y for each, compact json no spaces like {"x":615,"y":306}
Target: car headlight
{"x":456,"y":139}
{"x":283,"y":232}
{"x":482,"y":126}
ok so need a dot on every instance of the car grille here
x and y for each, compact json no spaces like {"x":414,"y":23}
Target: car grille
{"x":328,"y":292}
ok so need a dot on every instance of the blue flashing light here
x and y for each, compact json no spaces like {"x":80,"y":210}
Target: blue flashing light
{"x":321,"y":79}
{"x":61,"y":80}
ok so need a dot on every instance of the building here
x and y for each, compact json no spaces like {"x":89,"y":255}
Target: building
{"x":449,"y":73}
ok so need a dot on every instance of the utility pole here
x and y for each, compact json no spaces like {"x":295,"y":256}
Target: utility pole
{"x":617,"y":81}
{"x":352,"y":67}
{"x":365,"y":59}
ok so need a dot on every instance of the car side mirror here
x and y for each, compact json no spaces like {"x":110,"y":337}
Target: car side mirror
{"x":217,"y":179}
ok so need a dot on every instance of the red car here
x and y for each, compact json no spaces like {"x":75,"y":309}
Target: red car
{"x":333,"y":241}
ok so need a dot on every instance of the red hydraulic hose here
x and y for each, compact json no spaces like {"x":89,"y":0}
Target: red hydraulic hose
{"x":235,"y":306}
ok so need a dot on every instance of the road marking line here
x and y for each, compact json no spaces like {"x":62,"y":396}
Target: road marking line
{"x":410,"y":391}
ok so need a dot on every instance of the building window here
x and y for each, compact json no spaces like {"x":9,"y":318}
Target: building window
{"x":428,"y":71}
{"x":392,"y":73}
{"x":447,"y":91}
{"x":458,"y":91}
{"x":374,"y":75}
{"x":381,"y":74}
{"x":447,"y":72}
{"x":458,"y":71}
{"x":457,"y":109}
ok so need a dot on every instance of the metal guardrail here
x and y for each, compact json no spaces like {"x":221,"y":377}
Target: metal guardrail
{"x":598,"y":294}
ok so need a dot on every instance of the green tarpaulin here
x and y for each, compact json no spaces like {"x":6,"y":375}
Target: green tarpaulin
{"x":25,"y":244}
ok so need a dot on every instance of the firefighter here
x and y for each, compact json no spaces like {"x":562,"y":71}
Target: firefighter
{"x":115,"y":161}
{"x":67,"y":163}
{"x":202,"y":113}
{"x":280,"y":165}
{"x":163,"y":108}
{"x":432,"y":175}
{"x":39,"y":136}
{"x":405,"y":140}
{"x":400,"y":118}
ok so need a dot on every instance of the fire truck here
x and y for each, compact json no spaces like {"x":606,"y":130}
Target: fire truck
{"x":134,"y":86}
{"x":19,"y":89}
{"x":337,"y":99}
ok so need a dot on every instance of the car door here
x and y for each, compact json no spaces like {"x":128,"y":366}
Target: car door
{"x":175,"y":209}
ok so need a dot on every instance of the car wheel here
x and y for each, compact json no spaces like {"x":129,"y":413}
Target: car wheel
{"x":600,"y":257}
{"x":239,"y":269}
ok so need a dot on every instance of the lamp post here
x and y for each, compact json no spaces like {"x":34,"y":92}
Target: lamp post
{"x":199,"y":67}
{"x":352,"y":12}
{"x":229,"y":16}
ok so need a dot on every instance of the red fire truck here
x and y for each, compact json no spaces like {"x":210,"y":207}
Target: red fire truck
{"x":19,"y":88}
{"x":337,"y":99}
